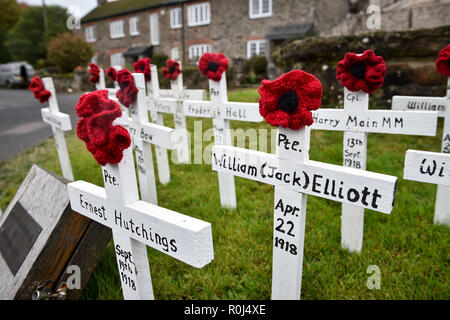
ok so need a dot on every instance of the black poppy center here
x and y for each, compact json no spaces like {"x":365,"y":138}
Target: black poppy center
{"x":142,"y":68}
{"x":288,"y":101}
{"x":358,"y":70}
{"x":123,"y":86}
{"x":171,"y":69}
{"x":213,"y":66}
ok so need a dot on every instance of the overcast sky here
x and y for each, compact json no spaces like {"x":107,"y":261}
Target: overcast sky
{"x":82,"y":6}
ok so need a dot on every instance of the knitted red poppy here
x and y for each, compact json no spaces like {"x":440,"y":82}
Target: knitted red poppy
{"x":287,"y":101}
{"x":143,"y":66}
{"x":443,"y":61}
{"x":361,"y":72}
{"x":94,"y":70}
{"x":213,"y":65}
{"x":37,"y":87}
{"x":172,"y":69}
{"x":112,"y":73}
{"x":103,"y":139}
{"x":128,"y":91}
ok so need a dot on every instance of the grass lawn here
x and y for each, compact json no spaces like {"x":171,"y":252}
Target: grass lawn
{"x":412,"y":253}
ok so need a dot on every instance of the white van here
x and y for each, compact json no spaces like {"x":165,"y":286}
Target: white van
{"x":16,"y":74}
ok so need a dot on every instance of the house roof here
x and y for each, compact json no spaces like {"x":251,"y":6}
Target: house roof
{"x":122,"y":7}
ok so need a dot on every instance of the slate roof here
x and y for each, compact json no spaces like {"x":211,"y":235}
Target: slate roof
{"x":122,"y":7}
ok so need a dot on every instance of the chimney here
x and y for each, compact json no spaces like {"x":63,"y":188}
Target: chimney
{"x":101,"y":2}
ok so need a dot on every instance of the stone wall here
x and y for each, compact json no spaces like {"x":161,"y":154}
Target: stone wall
{"x":409,"y":56}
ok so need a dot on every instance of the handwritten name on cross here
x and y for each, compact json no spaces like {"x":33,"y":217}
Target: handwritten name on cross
{"x":59,"y":122}
{"x":356,"y":120}
{"x":222,"y":111}
{"x":441,"y":105}
{"x":294,"y":177}
{"x":429,"y":167}
{"x":144,"y":134}
{"x":136,"y":224}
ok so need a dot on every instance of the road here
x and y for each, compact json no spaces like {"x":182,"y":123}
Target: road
{"x":21,"y":125}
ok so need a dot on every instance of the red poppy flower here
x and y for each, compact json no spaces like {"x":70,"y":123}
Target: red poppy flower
{"x":94,"y":70}
{"x":443,"y":61}
{"x":143,"y":66}
{"x":172,"y":69}
{"x":95,"y":127}
{"x":128,"y":91}
{"x":288,"y":100}
{"x":112,"y":73}
{"x":361,"y":72}
{"x":213,"y":65}
{"x":38,"y":89}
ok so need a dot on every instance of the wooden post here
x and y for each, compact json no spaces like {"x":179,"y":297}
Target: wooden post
{"x":59,"y":122}
{"x":101,"y":85}
{"x":355,"y":156}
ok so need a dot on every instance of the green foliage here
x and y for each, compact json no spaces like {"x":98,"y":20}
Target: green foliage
{"x":411,"y":252}
{"x":9,"y":14}
{"x":68,"y":51}
{"x":256,"y":69}
{"x":4,"y":52}
{"x":26,"y":41}
{"x":159,"y":60}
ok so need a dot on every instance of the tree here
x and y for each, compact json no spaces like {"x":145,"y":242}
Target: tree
{"x":26,"y":39}
{"x":67,"y":51}
{"x":9,"y":14}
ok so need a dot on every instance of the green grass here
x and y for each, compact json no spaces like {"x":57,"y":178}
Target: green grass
{"x":411,"y":252}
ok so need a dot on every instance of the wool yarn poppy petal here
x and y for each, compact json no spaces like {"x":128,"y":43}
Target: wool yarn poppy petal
{"x":143,"y":66}
{"x":443,"y":61}
{"x":95,"y":127}
{"x":128,"y":91}
{"x":94,"y":70}
{"x":364,"y":72}
{"x":213,"y":65}
{"x":37,"y":87}
{"x":172,"y":70}
{"x":288,"y":100}
{"x":111,"y":72}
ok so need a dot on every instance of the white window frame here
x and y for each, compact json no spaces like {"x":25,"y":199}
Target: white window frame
{"x":117,"y":59}
{"x":154,"y":28}
{"x":116,"y":29}
{"x":134,"y":26}
{"x":90,"y":34}
{"x":175,"y":18}
{"x":258,"y":47}
{"x":197,"y":50}
{"x":199,"y":14}
{"x":175,"y":53}
{"x":259,"y":14}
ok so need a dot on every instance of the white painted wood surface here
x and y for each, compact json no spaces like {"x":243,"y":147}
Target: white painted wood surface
{"x":289,"y":223}
{"x":430,"y":167}
{"x":101,"y":85}
{"x":441,"y":105}
{"x":137,"y":223}
{"x":59,"y":122}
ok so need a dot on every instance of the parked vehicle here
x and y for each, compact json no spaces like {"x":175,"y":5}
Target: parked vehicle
{"x":16,"y":74}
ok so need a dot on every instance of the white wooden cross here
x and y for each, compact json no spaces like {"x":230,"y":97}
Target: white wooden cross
{"x":101,"y":84}
{"x":442,"y":105}
{"x":136,"y":224}
{"x":429,"y":167}
{"x":294,"y":176}
{"x":222,"y":111}
{"x":356,"y":120}
{"x":144,"y":134}
{"x":59,"y":122}
{"x":171,"y":101}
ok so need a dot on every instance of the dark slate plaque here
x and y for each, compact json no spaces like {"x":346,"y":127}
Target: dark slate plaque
{"x":17,"y":236}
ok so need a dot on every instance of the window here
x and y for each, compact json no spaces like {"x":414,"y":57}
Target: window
{"x":154,"y":29}
{"x":134,"y":31}
{"x":199,"y":14}
{"x":197,"y":50}
{"x":117,"y":59}
{"x":175,"y":18}
{"x":116,"y":29}
{"x":90,"y":34}
{"x":174,"y":53}
{"x":256,"y":47}
{"x":260,"y":8}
